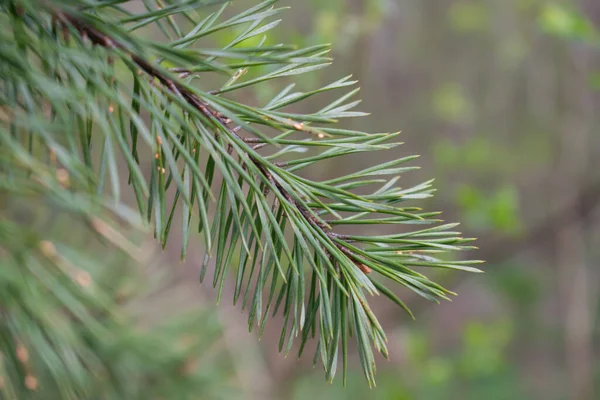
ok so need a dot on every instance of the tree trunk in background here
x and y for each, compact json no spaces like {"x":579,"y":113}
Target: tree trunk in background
{"x":592,"y":11}
{"x":360,"y":54}
{"x":571,"y":240}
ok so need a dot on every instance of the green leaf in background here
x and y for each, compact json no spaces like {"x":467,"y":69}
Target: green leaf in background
{"x":451,"y":103}
{"x":564,"y":21}
{"x":485,"y":345}
{"x":595,"y":81}
{"x":468,"y":16}
{"x":499,"y":210}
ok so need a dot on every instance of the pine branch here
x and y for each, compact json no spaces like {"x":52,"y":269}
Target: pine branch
{"x":104,"y":40}
{"x":262,"y":200}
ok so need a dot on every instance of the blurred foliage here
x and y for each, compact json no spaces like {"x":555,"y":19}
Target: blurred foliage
{"x":498,"y":211}
{"x":73,"y":305}
{"x":566,"y":22}
{"x":469,"y":16}
{"x":451,"y":103}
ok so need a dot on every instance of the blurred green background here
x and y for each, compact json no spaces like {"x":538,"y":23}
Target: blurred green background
{"x":500,"y":99}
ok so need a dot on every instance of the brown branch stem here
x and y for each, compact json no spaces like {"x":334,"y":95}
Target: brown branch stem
{"x":104,"y":40}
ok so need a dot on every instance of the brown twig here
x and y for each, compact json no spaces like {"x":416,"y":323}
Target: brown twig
{"x":104,"y":40}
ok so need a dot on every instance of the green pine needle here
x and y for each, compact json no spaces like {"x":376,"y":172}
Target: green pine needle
{"x":86,"y":96}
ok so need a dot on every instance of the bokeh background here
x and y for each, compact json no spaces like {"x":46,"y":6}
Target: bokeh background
{"x":500,"y":99}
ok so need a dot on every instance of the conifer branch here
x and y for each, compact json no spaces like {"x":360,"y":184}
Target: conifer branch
{"x":278,"y":231}
{"x":109,"y":42}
